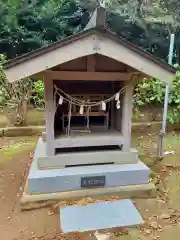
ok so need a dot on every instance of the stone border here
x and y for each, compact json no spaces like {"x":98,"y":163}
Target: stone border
{"x":38,"y":130}
{"x":129,"y":191}
{"x":21,"y":131}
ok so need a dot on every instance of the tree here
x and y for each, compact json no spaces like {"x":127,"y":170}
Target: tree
{"x":14,"y":97}
{"x":157,"y":18}
{"x":27,"y":26}
{"x":146,"y":23}
{"x":31,"y":24}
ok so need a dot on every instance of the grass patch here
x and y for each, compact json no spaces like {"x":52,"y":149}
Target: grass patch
{"x":172,"y":143}
{"x":12,"y":151}
{"x":35,"y":117}
{"x":146,"y":143}
{"x":4,"y":122}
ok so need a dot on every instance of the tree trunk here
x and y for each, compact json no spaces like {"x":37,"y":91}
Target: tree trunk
{"x":21,"y":113}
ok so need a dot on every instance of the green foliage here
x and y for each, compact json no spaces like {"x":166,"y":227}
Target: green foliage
{"x":174,"y":115}
{"x":151,"y":91}
{"x":26,"y":26}
{"x":37,"y":98}
{"x":174,"y":100}
{"x":39,"y":88}
{"x":148,"y":92}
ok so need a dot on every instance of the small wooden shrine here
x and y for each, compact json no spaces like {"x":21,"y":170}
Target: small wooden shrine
{"x":89,"y":79}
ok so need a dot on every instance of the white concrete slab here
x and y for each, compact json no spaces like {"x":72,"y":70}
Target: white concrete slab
{"x":97,"y":216}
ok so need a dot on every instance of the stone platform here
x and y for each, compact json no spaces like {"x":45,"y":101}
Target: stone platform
{"x":70,"y":178}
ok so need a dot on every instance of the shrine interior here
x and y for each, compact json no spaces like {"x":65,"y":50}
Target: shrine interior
{"x":93,"y":119}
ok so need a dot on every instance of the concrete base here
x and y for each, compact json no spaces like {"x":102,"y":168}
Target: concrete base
{"x":33,"y":201}
{"x":69,"y":179}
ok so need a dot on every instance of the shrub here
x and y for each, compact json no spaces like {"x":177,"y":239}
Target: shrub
{"x":37,"y":98}
{"x":151,"y":91}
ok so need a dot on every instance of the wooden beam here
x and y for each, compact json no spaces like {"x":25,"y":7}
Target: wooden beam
{"x":98,"y":19}
{"x":89,"y":76}
{"x":112,"y":48}
{"x":91,"y":63}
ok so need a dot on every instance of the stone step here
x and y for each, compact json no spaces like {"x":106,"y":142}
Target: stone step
{"x":82,"y":177}
{"x":98,"y":216}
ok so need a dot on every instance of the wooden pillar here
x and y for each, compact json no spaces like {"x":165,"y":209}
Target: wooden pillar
{"x":127,"y":116}
{"x":49,"y":115}
{"x":112,"y":107}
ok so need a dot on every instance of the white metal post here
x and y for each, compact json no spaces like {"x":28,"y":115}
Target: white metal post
{"x":166,"y":100}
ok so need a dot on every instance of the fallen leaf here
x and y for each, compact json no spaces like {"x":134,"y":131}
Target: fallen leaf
{"x":147,"y":231}
{"x":156,"y":237}
{"x":160,"y":201}
{"x":164,"y":216}
{"x":102,"y":236}
{"x":153,"y":224}
{"x":50,"y":213}
{"x":160,"y":228}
